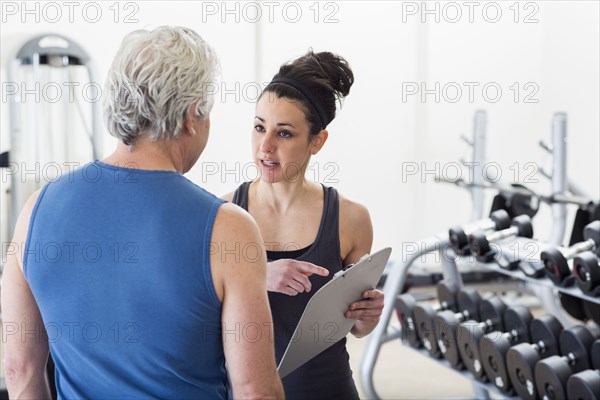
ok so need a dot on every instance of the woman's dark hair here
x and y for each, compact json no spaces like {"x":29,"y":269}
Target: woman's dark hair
{"x":326,"y":77}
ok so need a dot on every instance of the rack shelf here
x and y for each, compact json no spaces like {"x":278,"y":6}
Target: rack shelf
{"x":520,"y":275}
{"x":543,"y":281}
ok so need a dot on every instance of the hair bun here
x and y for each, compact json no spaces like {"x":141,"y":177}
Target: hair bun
{"x":334,"y":70}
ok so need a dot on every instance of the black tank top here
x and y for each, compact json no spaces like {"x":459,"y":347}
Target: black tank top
{"x":328,"y":375}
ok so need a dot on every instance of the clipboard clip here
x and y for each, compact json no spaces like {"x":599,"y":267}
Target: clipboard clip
{"x":347,"y":267}
{"x":343,"y":271}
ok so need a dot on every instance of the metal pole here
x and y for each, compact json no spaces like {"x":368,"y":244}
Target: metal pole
{"x":559,"y":176}
{"x":65,"y":108}
{"x":16,"y":146}
{"x":449,"y":268}
{"x":97,"y":136}
{"x":477,"y":161}
{"x":559,"y":210}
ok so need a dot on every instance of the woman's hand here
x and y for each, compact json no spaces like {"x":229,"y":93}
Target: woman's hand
{"x":290,"y":276}
{"x":366,"y":312}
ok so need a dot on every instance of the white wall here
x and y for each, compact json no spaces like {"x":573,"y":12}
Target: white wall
{"x":381,"y":128}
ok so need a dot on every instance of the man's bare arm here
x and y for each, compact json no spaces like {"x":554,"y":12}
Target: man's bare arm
{"x":240,"y":280}
{"x":26,"y":341}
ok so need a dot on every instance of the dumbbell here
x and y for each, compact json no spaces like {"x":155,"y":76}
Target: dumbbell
{"x":406,"y":305}
{"x":573,"y":306}
{"x":494,"y":346}
{"x":446,"y":323}
{"x":555,"y":259}
{"x":424,"y":313}
{"x":552,"y":373}
{"x":585,"y":385}
{"x":459,"y":235}
{"x":580,"y":309}
{"x":586,"y":270}
{"x":479,"y":241}
{"x":521,"y":358}
{"x":469,"y":333}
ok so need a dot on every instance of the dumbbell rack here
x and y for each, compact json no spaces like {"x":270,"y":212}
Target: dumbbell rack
{"x":440,"y":243}
{"x":451,"y":274}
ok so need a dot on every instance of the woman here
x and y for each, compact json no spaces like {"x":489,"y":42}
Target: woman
{"x":310,"y":232}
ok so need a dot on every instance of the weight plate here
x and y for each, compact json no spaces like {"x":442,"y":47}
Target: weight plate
{"x":521,"y":360}
{"x":586,"y":269}
{"x":468,"y":335}
{"x":493,"y":349}
{"x":424,"y":314}
{"x":551,"y":377}
{"x":446,"y":324}
{"x":546,"y":329}
{"x":468,"y":300}
{"x":492,"y":310}
{"x":446,"y":293}
{"x":459,"y":240}
{"x":576,"y":342}
{"x":517,"y":320}
{"x":595,"y":354}
{"x":405,"y":305}
{"x":556,"y":265}
{"x":584,"y":385}
{"x":573,"y":305}
{"x":479,"y":244}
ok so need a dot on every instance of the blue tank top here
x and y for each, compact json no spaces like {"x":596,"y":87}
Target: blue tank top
{"x":328,"y":375}
{"x":118,"y":261}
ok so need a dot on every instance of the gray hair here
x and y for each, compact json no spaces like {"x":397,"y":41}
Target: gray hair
{"x":154,"y":79}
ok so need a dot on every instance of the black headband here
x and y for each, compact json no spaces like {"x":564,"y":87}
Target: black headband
{"x":308,"y":94}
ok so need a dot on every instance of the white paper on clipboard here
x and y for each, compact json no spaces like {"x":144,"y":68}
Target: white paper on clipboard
{"x":323,"y":323}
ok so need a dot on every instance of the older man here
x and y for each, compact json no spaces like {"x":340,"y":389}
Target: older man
{"x":130,"y":274}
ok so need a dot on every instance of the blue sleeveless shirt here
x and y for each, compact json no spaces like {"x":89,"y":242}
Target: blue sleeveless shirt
{"x":328,"y":375}
{"x":118,"y":260}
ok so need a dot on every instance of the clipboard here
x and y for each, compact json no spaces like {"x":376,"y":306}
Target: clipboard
{"x":323,"y":323}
